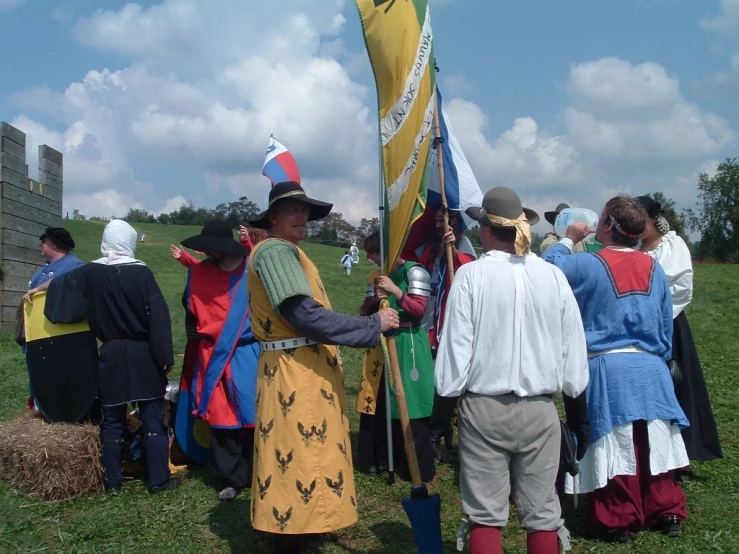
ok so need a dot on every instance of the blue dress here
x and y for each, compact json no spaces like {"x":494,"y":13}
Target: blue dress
{"x":626,"y":307}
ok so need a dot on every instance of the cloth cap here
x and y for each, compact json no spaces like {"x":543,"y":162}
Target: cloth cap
{"x":59,"y":236}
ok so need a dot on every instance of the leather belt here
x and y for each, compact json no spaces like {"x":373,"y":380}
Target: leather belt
{"x":286,"y":343}
{"x":409,"y":324}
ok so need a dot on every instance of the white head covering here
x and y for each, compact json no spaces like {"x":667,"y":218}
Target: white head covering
{"x":119,"y":244}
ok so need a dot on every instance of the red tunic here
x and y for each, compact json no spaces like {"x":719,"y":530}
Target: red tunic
{"x":209,"y":300}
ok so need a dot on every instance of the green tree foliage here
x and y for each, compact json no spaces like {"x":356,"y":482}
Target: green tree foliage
{"x":717,"y":215}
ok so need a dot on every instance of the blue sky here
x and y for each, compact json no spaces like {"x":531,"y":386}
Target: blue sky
{"x":162,"y":102}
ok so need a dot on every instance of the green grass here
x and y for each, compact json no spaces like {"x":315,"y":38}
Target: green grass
{"x":190,"y":519}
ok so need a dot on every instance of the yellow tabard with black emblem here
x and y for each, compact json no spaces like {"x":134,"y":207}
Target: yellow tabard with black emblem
{"x":303,"y":480}
{"x":374,"y":363}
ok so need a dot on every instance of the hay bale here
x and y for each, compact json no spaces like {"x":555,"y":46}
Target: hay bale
{"x":50,"y":461}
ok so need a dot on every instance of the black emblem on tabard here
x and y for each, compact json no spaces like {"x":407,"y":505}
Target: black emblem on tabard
{"x":285,"y":405}
{"x":376,"y":369}
{"x":320,"y":434}
{"x":284,"y":463}
{"x":316,"y":348}
{"x":342,"y":447}
{"x":282,"y":519}
{"x":305,"y":492}
{"x":354,"y":502}
{"x":305,"y":433}
{"x":328,"y":396}
{"x":337,"y":487}
{"x":269,"y":374}
{"x":266,"y":327}
{"x":368,"y":407}
{"x":290,"y":351}
{"x":333,"y":362}
{"x":264,"y":431}
{"x":263,"y":486}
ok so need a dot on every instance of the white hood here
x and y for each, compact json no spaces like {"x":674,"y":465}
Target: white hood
{"x":119,"y":244}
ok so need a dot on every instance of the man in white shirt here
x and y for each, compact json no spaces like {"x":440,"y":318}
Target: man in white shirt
{"x":513,"y":338}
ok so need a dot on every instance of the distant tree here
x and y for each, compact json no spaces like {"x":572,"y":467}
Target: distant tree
{"x":135,"y":215}
{"x":676,"y":220}
{"x":366,"y":227}
{"x":717,"y":215}
{"x":536,"y":240}
{"x":77,"y":216}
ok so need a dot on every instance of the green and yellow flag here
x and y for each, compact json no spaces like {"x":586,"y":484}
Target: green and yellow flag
{"x":399,"y":42}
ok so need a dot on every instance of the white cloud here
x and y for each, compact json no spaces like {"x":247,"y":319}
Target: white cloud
{"x":725,"y":26}
{"x":726,"y":22}
{"x":627,"y":129}
{"x":455,"y":84}
{"x":214,"y":99}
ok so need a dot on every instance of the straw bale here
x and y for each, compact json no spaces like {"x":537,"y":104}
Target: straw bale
{"x":50,"y":461}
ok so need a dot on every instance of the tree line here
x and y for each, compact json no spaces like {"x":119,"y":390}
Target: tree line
{"x":716,"y":218}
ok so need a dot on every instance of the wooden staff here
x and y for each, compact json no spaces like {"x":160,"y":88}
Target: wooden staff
{"x":440,"y":165}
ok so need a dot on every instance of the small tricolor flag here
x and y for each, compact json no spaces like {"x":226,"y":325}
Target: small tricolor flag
{"x":279,"y":164}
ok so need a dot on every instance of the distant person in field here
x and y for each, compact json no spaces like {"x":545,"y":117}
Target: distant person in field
{"x":635,"y":445}
{"x":665,"y":246}
{"x":224,"y":383}
{"x":354,"y":251}
{"x":56,"y":249}
{"x":431,"y":253}
{"x":407,"y":289}
{"x":550,"y":239}
{"x":346,"y":263}
{"x":302,"y":454}
{"x":127,"y":312}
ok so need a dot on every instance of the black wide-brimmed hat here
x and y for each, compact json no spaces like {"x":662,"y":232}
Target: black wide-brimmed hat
{"x":551,"y":217}
{"x":59,"y":236}
{"x":216,"y":236}
{"x":501,"y":202}
{"x":291,"y":190}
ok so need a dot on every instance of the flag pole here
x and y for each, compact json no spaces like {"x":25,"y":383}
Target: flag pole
{"x":388,"y":411}
{"x":440,"y":164}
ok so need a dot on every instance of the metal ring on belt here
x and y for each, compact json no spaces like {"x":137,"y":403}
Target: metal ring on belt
{"x":286,"y":343}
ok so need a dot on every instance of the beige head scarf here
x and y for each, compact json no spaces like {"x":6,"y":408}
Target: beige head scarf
{"x":523,"y":231}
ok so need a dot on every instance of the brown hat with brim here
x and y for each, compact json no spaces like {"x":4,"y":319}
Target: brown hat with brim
{"x":291,"y":190}
{"x":551,"y":217}
{"x":501,"y":202}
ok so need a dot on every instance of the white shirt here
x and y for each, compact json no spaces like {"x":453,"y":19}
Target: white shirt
{"x":674,"y":257}
{"x":512,"y":325}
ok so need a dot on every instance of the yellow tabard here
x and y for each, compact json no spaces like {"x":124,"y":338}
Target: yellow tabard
{"x":372,"y":368}
{"x":303,"y":480}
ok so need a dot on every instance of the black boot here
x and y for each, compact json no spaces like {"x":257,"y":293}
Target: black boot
{"x":439,"y":452}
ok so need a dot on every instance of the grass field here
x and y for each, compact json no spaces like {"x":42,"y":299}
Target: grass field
{"x":190,"y":519}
